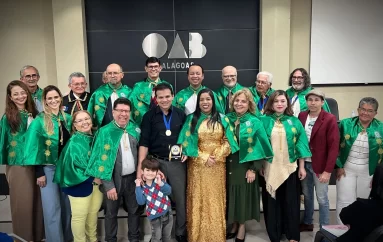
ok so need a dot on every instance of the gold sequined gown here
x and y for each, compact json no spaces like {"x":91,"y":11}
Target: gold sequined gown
{"x":206,"y":188}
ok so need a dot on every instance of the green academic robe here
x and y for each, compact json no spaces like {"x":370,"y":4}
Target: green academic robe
{"x":141,"y":96}
{"x":223,"y":91}
{"x":189,"y":140}
{"x":41,"y":147}
{"x":257,"y":97}
{"x":73,"y":160}
{"x":105,"y":147}
{"x":349,"y":129}
{"x":253,"y":141}
{"x":297,"y":142}
{"x":302,"y":99}
{"x":99,"y":100}
{"x":12,"y":144}
{"x":182,"y":96}
{"x":38,"y":94}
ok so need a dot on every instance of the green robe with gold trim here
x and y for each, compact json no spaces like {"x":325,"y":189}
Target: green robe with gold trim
{"x":73,"y":160}
{"x":349,"y":129}
{"x":302,"y":99}
{"x":189,"y":140}
{"x":223,"y":91}
{"x":41,"y":148}
{"x":141,"y":96}
{"x":297,"y":142}
{"x":12,"y":144}
{"x":182,"y":96}
{"x":105,"y":147}
{"x":253,"y":141}
{"x":99,"y":100}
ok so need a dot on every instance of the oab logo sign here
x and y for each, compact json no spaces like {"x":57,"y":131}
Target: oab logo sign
{"x":156,"y":45}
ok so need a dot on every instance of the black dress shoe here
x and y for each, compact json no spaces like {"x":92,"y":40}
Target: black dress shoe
{"x":181,"y":238}
{"x":231,"y":235}
{"x":239,"y":240}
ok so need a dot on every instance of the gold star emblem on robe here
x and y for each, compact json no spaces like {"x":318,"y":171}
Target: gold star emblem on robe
{"x":142,"y":96}
{"x":139,"y":104}
{"x":96,"y":107}
{"x":13,"y":143}
{"x":12,"y":154}
{"x":249,"y":130}
{"x":107,"y":147}
{"x":250,"y":150}
{"x":187,"y":133}
{"x":347,"y":136}
{"x":47,"y":153}
{"x":104,"y":157}
{"x":101,"y":169}
{"x":101,"y":99}
{"x":48,"y":142}
{"x":250,"y":140}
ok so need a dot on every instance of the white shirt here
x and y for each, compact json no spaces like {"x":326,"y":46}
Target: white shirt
{"x":297,"y":106}
{"x":359,"y":152}
{"x":128,"y":166}
{"x":309,"y":128}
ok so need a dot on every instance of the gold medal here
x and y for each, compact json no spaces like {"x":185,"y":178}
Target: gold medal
{"x":168,"y":132}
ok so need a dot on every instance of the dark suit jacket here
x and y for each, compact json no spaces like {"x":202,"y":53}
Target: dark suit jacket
{"x":324,"y":141}
{"x":70,"y":100}
{"x":115,"y":182}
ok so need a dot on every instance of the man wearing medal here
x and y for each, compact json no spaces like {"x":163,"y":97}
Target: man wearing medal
{"x":160,"y":129}
{"x":142,"y":96}
{"x":78,"y":97}
{"x":262,"y":90}
{"x":114,"y":161}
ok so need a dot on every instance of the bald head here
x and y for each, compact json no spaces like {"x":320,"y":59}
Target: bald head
{"x":229,"y":76}
{"x":114,"y":74}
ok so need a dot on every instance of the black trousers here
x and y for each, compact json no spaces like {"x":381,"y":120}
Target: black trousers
{"x":282,"y":214}
{"x":128,"y":195}
{"x":175,"y":173}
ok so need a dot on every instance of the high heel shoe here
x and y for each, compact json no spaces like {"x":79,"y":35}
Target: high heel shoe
{"x":231,"y":235}
{"x":239,"y":240}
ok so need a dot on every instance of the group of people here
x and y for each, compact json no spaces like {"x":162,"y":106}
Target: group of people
{"x":205,"y":153}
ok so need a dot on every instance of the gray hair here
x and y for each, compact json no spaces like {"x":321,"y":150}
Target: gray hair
{"x":268,"y":74}
{"x":27,"y":67}
{"x":371,"y":101}
{"x":75,"y":74}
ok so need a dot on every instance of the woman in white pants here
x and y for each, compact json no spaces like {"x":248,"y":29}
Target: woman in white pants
{"x":360,"y":151}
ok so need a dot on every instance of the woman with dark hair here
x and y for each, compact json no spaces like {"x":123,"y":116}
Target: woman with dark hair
{"x":45,"y":139}
{"x":25,"y":198}
{"x":83,"y":192}
{"x":281,"y":197}
{"x":207,"y":140}
{"x":300,"y":85}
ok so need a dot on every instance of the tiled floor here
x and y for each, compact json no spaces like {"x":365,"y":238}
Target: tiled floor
{"x":256,"y":232}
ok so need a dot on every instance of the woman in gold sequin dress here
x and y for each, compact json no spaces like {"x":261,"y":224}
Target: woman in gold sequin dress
{"x":207,"y":139}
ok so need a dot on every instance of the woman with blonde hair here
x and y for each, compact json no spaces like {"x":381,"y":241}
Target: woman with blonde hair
{"x":242,"y":167}
{"x":45,"y":139}
{"x":83,"y":192}
{"x":25,"y":199}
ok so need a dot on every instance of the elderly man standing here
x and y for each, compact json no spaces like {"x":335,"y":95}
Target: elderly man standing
{"x":300,"y":83}
{"x":142,"y":96}
{"x":114,"y":161}
{"x":30,"y":76}
{"x":78,"y":98}
{"x":262,"y":89}
{"x":101,"y":102}
{"x":229,"y":87}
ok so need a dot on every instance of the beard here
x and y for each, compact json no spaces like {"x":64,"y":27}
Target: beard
{"x":298,"y":87}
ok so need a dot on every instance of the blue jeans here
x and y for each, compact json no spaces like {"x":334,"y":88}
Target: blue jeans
{"x":321,"y":189}
{"x":56,"y":210}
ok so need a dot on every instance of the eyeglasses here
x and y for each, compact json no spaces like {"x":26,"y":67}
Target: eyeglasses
{"x":81,"y":120}
{"x":115,"y":73}
{"x":33,"y":76}
{"x":229,"y":76}
{"x":300,"y":78}
{"x":261,"y":83}
{"x":79,"y":84}
{"x":368,"y":111}
{"x":122,"y":111}
{"x":153,"y":67}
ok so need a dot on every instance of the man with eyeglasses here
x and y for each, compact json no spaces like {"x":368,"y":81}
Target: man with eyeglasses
{"x":30,"y":76}
{"x":186,"y":99}
{"x":300,"y":83}
{"x":262,"y":90}
{"x":114,"y":161}
{"x":78,"y":98}
{"x":101,"y":102}
{"x":142,"y":96}
{"x":229,"y":87}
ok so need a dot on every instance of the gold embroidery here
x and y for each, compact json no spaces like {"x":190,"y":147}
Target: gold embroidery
{"x":89,"y":153}
{"x":107,"y":147}
{"x":235,"y":138}
{"x":96,"y":107}
{"x":342,"y":145}
{"x":101,"y":99}
{"x":12,"y":154}
{"x":249,"y":150}
{"x":227,"y":119}
{"x":50,"y":133}
{"x":48,"y":142}
{"x":220,"y":98}
{"x":139,"y":104}
{"x":142,"y":96}
{"x":379,"y":141}
{"x":380,"y":151}
{"x":187,"y":133}
{"x":47,"y":153}
{"x":294,"y":130}
{"x":136,"y":113}
{"x":101,"y":169}
{"x":180,"y":99}
{"x":185,"y":143}
{"x":104,"y":157}
{"x":250,"y":140}
{"x":347,"y":136}
{"x":295,"y":139}
{"x":249,"y":130}
{"x":13,"y":143}
{"x":231,"y":128}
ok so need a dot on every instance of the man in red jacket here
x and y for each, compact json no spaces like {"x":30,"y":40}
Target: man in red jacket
{"x":323,"y":135}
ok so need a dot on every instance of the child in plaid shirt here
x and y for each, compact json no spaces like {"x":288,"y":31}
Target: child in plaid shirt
{"x":154,"y":193}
